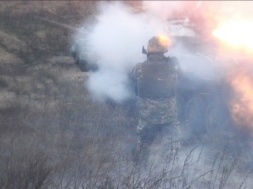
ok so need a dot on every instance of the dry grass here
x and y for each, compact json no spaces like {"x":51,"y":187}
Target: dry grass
{"x":53,"y":135}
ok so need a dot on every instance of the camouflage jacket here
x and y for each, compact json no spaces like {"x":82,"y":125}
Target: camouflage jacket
{"x":156,"y":110}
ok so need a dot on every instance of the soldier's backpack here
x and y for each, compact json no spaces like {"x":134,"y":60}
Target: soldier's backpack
{"x":158,"y":79}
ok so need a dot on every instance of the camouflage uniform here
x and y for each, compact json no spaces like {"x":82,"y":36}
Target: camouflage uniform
{"x":158,"y":111}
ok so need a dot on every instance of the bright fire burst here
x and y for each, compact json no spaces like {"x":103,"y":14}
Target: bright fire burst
{"x":242,"y":104}
{"x":164,"y":41}
{"x":237,"y":34}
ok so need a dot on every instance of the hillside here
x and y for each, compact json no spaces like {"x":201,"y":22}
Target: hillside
{"x":46,"y":115}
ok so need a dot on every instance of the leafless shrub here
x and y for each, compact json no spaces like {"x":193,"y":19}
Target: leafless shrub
{"x":24,"y":167}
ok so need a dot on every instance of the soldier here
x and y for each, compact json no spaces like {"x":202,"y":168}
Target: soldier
{"x":155,"y":83}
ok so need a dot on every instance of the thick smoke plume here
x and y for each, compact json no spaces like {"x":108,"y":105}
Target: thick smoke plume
{"x":117,"y":39}
{"x":119,"y":34}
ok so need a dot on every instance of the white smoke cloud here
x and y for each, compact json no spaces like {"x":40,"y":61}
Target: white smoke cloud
{"x":164,"y":9}
{"x":118,"y":36}
{"x":117,"y":39}
{"x":108,"y":83}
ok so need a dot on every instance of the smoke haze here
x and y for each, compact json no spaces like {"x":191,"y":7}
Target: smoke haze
{"x":118,"y":37}
{"x":119,"y":34}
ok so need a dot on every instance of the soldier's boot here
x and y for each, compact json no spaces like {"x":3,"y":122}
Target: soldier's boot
{"x":171,"y":140}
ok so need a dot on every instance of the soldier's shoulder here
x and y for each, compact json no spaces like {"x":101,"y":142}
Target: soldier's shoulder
{"x":138,"y":66}
{"x":172,"y":59}
{"x":137,"y":69}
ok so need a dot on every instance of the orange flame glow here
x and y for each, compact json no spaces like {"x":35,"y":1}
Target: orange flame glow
{"x":242,"y":103}
{"x":236,"y":37}
{"x":164,"y":41}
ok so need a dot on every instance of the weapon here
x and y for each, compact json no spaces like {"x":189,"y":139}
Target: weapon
{"x":144,"y":51}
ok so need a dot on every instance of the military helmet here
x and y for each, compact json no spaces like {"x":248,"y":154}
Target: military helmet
{"x":159,"y":43}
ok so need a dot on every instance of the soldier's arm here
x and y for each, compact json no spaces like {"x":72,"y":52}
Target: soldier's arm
{"x":134,"y":76}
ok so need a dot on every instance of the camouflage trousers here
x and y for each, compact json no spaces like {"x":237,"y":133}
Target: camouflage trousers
{"x":147,"y":133}
{"x":156,"y":117}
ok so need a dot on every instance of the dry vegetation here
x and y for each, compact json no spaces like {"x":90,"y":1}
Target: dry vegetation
{"x":53,"y":135}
